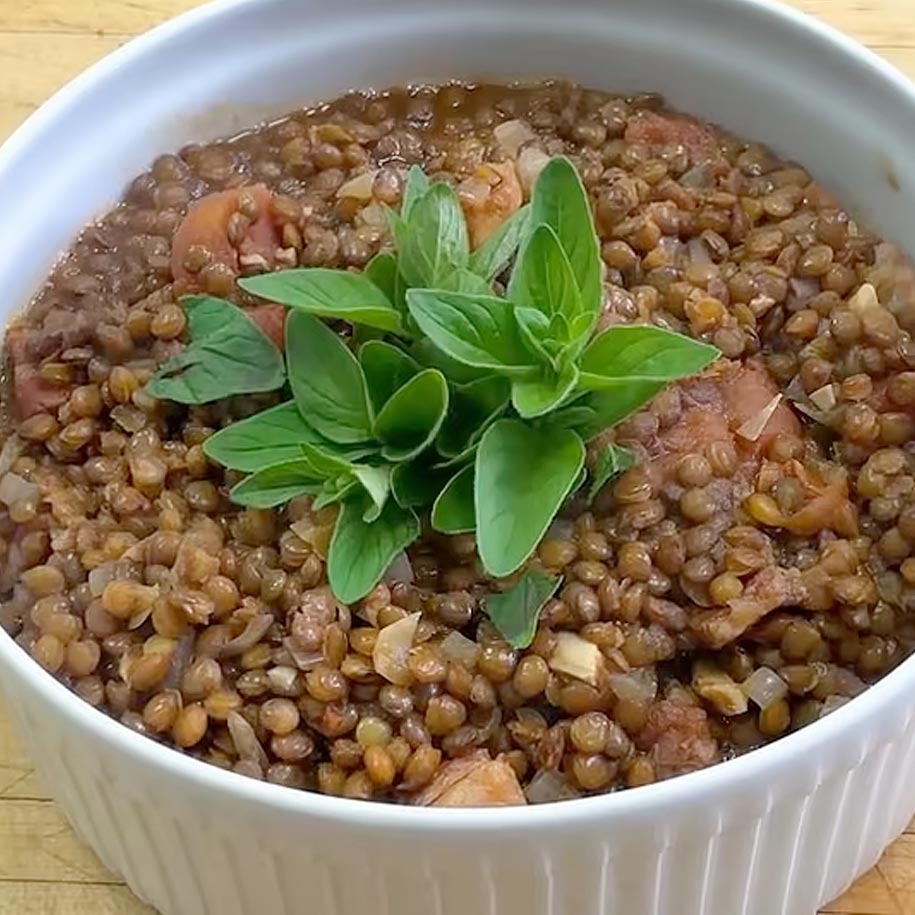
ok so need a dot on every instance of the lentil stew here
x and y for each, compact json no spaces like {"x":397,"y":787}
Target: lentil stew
{"x":750,"y":573}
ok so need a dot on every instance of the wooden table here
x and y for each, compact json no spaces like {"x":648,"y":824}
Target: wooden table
{"x":44,"y":868}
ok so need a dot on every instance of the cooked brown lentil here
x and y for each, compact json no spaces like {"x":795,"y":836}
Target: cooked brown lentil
{"x":781,"y":555}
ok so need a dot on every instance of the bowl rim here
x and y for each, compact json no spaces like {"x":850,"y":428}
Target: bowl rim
{"x":752,"y":771}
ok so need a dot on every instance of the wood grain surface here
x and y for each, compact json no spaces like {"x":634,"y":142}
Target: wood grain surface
{"x":44,"y":868}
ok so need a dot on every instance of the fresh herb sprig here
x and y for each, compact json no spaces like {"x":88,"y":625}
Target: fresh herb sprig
{"x":449,"y":400}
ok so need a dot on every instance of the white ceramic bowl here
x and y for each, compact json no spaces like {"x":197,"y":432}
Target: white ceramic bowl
{"x":776,"y":832}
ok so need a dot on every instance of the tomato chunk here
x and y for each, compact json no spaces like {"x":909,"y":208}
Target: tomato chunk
{"x":207,"y":225}
{"x":652,"y":128}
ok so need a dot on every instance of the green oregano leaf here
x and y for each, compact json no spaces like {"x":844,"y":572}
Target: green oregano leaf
{"x":613,"y":461}
{"x":544,"y":392}
{"x":328,"y":293}
{"x":376,"y":481}
{"x":595,"y":411}
{"x":386,"y":368}
{"x":560,"y":201}
{"x":472,"y":408}
{"x":361,"y":551}
{"x":479,"y":331}
{"x":494,"y":255}
{"x":327,"y":381}
{"x":516,"y":612}
{"x":634,"y":352}
{"x":277,"y":484}
{"x":523,"y":475}
{"x":433,"y":241}
{"x":543,"y":277}
{"x":416,"y":483}
{"x":453,"y":511}
{"x":412,"y":416}
{"x":416,"y":187}
{"x":226,"y":354}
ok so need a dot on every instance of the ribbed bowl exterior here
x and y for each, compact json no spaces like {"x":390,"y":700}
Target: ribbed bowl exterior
{"x":777,"y":832}
{"x":781,"y":849}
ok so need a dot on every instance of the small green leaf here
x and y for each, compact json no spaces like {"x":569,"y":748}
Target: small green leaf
{"x":535,"y":396}
{"x":613,"y":461}
{"x":266,"y":438}
{"x":599,"y":410}
{"x":516,"y":612}
{"x":271,"y":437}
{"x":327,"y":382}
{"x":427,"y":354}
{"x":416,"y":187}
{"x":523,"y":475}
{"x":479,"y":331}
{"x":434,"y":240}
{"x":411,"y":418}
{"x":328,"y":293}
{"x":386,"y":368}
{"x":534,"y":328}
{"x":494,"y":255}
{"x":325,"y":464}
{"x":463,"y":280}
{"x":383,"y":272}
{"x":416,"y":483}
{"x":277,"y":484}
{"x":361,"y":551}
{"x":334,"y":491}
{"x":543,"y":277}
{"x":453,"y":512}
{"x":376,"y":481}
{"x":633,"y":353}
{"x":472,"y":408}
{"x":227,"y":354}
{"x":561,"y":202}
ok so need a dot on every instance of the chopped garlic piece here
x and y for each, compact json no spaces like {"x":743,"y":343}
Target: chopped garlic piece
{"x":755,"y":425}
{"x":576,"y":657}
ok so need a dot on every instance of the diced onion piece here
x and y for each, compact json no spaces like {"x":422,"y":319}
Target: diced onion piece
{"x":697,"y":253}
{"x":316,"y":535}
{"x":140,"y":617}
{"x":246,"y":743}
{"x":764,"y":686}
{"x":638,"y":686}
{"x":359,"y":187}
{"x":392,"y":648}
{"x":825,"y":397}
{"x":716,"y":687}
{"x":399,"y":571}
{"x":129,"y":418}
{"x":283,"y":679}
{"x":531,"y":163}
{"x":12,"y":448}
{"x":304,"y":660}
{"x":460,"y":650}
{"x":864,"y":300}
{"x":184,"y":651}
{"x":754,"y":426}
{"x":14,"y":488}
{"x":512,"y":135}
{"x":576,"y":657}
{"x":547,"y":786}
{"x":254,"y":631}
